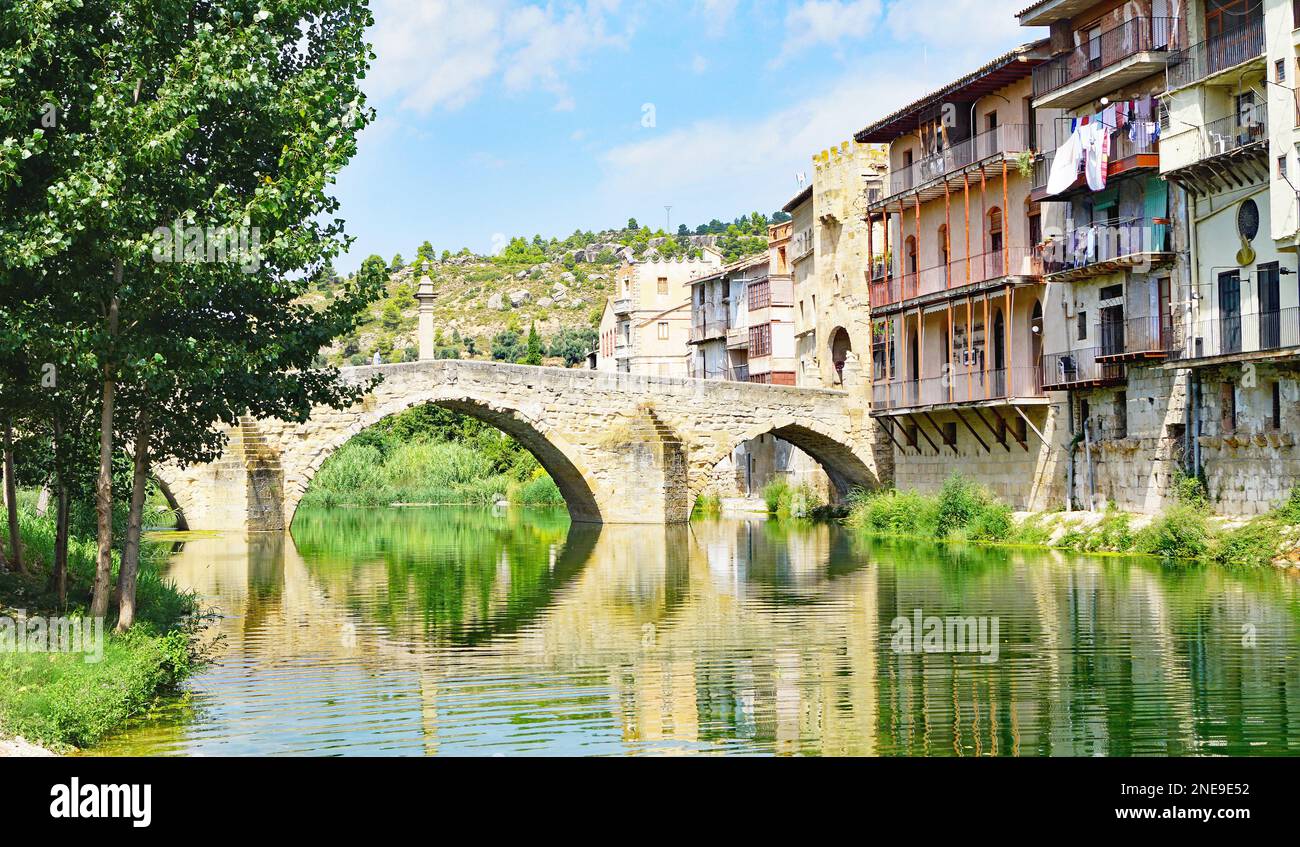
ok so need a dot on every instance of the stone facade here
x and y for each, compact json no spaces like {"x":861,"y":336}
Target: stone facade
{"x":622,"y":448}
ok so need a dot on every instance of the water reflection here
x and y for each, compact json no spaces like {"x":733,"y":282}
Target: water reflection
{"x":461,"y":631}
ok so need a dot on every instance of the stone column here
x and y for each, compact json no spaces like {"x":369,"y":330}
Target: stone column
{"x":425,"y":295}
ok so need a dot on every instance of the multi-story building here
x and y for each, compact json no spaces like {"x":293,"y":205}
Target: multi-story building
{"x":646,"y":325}
{"x":828,"y":254}
{"x":724,"y":331}
{"x":1229,"y":145}
{"x":1112,"y":268}
{"x":958,"y":299}
{"x":720,"y":319}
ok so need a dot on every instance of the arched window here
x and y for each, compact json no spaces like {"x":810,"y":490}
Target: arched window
{"x":993,"y":245}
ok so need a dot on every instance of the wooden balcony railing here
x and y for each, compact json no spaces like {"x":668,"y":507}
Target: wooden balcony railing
{"x":958,"y":387}
{"x":983,"y":267}
{"x":1005,"y":139}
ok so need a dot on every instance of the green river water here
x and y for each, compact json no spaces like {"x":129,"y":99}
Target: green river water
{"x":462,"y":631}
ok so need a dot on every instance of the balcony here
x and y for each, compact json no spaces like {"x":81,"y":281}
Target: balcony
{"x":1233,"y":336}
{"x":957,"y":274}
{"x":1229,"y":153}
{"x":623,"y":306}
{"x":1222,"y":52}
{"x":1124,"y":54}
{"x":972,"y":157}
{"x":708,"y":330}
{"x":737,"y":337}
{"x":1107,"y":247}
{"x":1135,"y":339}
{"x":1127,"y":156}
{"x":1080,"y":369}
{"x":957,"y":389}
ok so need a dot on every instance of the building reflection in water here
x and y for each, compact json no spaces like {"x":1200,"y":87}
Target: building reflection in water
{"x":462,"y":631}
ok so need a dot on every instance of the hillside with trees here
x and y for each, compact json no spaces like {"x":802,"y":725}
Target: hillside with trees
{"x":537,"y":301}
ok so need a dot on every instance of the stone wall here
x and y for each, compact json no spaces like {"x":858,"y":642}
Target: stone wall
{"x":622,"y":448}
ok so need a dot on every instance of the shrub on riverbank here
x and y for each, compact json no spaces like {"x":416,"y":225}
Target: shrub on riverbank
{"x":791,"y":501}
{"x":1185,"y":530}
{"x":59,"y":699}
{"x":429,"y":455}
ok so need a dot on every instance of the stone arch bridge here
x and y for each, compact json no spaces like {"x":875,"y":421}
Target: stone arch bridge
{"x":621,"y":448}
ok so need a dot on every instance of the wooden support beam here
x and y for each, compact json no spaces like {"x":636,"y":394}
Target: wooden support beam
{"x":962,"y":418}
{"x":1012,"y":431}
{"x":888,"y":425}
{"x":939,"y":430}
{"x":921,"y":430}
{"x":984,"y":421}
{"x":1030,"y":424}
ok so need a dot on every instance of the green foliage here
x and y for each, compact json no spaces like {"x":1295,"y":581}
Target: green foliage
{"x":791,"y":501}
{"x":573,"y":343}
{"x":707,"y":506}
{"x":1181,"y":532}
{"x":1190,"y":491}
{"x":534,"y":354}
{"x":960,"y":502}
{"x":430,"y":455}
{"x":1255,"y":543}
{"x":892,"y":512}
{"x":506,"y":346}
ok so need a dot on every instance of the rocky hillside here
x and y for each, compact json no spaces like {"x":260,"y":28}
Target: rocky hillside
{"x":488,"y":305}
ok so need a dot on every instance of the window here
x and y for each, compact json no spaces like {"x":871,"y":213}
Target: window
{"x":663,"y":330}
{"x":950,"y":434}
{"x":1276,"y":419}
{"x":1228,"y":407}
{"x":909,"y":435}
{"x":1281,"y":70}
{"x":1084,"y":413}
{"x":1121,"y":414}
{"x":1082,"y":319}
{"x":663,"y":286}
{"x":760,"y":340}
{"x":760,"y":296}
{"x":1295,"y":13}
{"x":1281,"y":166}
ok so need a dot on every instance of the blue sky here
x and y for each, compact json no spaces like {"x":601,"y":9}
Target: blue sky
{"x":499,"y":118}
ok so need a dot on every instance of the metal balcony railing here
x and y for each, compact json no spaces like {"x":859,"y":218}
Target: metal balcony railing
{"x":958,"y":386}
{"x":1078,"y":367}
{"x":983,"y":267}
{"x":1005,"y":139}
{"x":1104,"y":241}
{"x":1136,"y":337}
{"x":1139,"y":35}
{"x":1248,"y":126}
{"x":1222,"y":51}
{"x":1229,"y":334}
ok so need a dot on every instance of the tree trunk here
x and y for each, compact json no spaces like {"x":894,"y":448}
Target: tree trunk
{"x":104,"y":483}
{"x":59,"y":573}
{"x":59,"y":567}
{"x":127,"y":573}
{"x":11,"y":501}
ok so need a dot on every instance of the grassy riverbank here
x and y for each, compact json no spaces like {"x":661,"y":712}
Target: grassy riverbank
{"x":431,"y":456}
{"x":61,"y":700}
{"x":963,"y":511}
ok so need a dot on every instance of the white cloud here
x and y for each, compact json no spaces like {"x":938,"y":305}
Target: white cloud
{"x":816,"y":22}
{"x":717,"y":15}
{"x":972,"y":25}
{"x":699,"y":64}
{"x":717,"y":158}
{"x":442,"y":53}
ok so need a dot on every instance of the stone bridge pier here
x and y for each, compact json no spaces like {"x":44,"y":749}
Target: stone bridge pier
{"x":621,"y":448}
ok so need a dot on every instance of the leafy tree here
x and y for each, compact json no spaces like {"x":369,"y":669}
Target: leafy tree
{"x":534,"y":354}
{"x":506,"y":346}
{"x":172,"y":133}
{"x":397,"y":263}
{"x":573,"y":343}
{"x":632,"y":225}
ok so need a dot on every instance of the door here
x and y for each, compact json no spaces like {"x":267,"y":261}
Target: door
{"x":1112,"y":331}
{"x":914,"y":357}
{"x":1270,"y":307}
{"x":1230,"y":312}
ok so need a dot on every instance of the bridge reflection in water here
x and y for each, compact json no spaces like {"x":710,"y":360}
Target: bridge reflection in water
{"x":460,"y":631}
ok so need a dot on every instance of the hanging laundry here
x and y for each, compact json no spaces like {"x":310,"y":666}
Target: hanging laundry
{"x":1065,"y":167}
{"x":1096,"y":145}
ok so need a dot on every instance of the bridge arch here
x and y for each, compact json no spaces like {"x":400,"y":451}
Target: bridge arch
{"x":551,"y":450}
{"x":843,"y":464}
